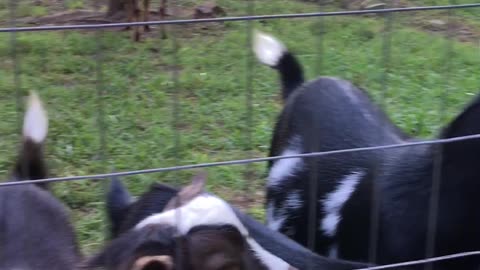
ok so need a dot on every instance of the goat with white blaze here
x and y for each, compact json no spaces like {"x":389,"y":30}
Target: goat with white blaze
{"x":328,"y":114}
{"x":35,"y":229}
{"x":209,"y":247}
{"x":191,"y":212}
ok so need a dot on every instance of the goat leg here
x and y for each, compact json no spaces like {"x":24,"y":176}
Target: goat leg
{"x":137,"y":29}
{"x":130,"y":8}
{"x":146,"y":13}
{"x":163,"y":13}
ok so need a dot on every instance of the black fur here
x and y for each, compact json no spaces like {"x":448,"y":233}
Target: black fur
{"x":118,"y":202}
{"x":35,"y":230}
{"x":291,"y":74}
{"x":192,"y":251}
{"x":30,"y":164}
{"x":125,"y":214}
{"x":154,"y":200}
{"x":122,"y":252}
{"x":330,"y":114}
{"x":293,"y":253}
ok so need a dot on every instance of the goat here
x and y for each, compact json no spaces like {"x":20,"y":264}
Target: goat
{"x":203,"y":216}
{"x":35,"y":230}
{"x":157,"y":247}
{"x":328,"y":114}
{"x":134,"y":14}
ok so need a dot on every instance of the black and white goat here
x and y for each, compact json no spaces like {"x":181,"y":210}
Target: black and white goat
{"x":209,"y":235}
{"x":328,"y":114}
{"x":35,"y":230}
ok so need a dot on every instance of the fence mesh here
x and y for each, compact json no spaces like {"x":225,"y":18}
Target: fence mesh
{"x":390,"y":14}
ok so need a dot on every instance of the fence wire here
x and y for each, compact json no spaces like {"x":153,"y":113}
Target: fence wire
{"x":424,"y":261}
{"x":388,"y":14}
{"x":241,"y":161}
{"x":438,"y":152}
{"x":239,"y":18}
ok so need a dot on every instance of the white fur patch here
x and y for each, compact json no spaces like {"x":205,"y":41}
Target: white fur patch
{"x":293,"y":201}
{"x":202,"y":210}
{"x":284,"y":168}
{"x":333,"y":251}
{"x":35,"y":121}
{"x":274,"y":220}
{"x":210,"y":210}
{"x":333,"y":202}
{"x":267,"y":48}
{"x":276,"y":216}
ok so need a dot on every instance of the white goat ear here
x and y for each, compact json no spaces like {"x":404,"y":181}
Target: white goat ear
{"x":268,"y":49}
{"x":35,"y":121}
{"x":153,"y":263}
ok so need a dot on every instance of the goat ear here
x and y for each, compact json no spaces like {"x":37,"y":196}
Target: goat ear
{"x":118,"y":201}
{"x":467,"y":123}
{"x":196,"y":187}
{"x":153,"y":263}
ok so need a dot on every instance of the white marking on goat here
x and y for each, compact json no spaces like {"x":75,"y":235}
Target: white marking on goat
{"x":284,"y":168}
{"x":207,"y":209}
{"x":277,"y":216}
{"x":35,"y":121}
{"x":275,"y":219}
{"x":334,"y":202}
{"x":293,"y":201}
{"x":333,"y":252}
{"x":268,"y":49}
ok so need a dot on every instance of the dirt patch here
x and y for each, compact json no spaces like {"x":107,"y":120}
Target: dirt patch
{"x":58,"y":14}
{"x":363,"y":4}
{"x":455,"y":28}
{"x":69,"y":17}
{"x":434,"y":22}
{"x":438,"y":22}
{"x":93,"y":16}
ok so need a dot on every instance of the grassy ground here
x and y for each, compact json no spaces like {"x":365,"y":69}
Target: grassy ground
{"x":136,"y":89}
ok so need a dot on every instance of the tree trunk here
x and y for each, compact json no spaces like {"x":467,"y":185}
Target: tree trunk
{"x":115,"y":6}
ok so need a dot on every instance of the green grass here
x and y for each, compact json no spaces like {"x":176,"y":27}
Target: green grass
{"x":137,"y":89}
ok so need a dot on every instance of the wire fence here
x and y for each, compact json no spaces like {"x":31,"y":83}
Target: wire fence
{"x":239,"y":18}
{"x":239,"y":162}
{"x":388,"y":14}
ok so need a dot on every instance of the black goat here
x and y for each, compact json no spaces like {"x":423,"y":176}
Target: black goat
{"x":148,"y":225}
{"x":328,"y":114}
{"x":35,"y":230}
{"x":156,"y":246}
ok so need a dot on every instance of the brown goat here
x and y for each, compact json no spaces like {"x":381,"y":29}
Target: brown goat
{"x":134,"y":14}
